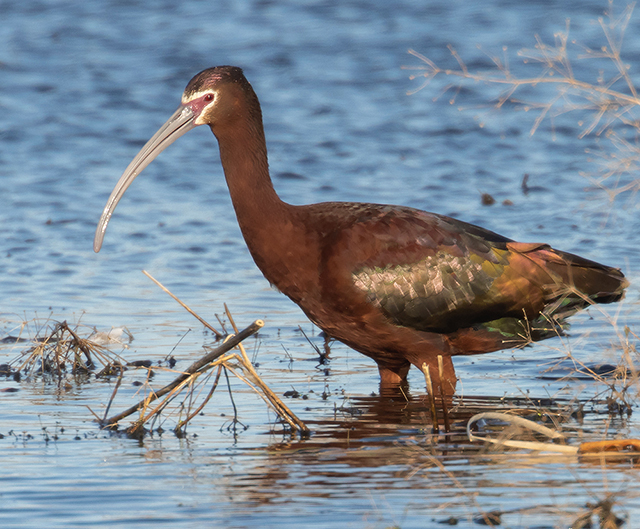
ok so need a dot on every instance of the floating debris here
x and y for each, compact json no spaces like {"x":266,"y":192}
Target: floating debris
{"x":117,"y":335}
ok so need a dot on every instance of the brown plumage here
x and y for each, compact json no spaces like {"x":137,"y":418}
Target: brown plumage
{"x":400,"y":285}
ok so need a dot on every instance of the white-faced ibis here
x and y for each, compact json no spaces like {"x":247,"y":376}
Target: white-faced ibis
{"x":399,"y":285}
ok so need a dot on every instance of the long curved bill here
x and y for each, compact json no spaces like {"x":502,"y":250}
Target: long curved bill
{"x":182,"y":121}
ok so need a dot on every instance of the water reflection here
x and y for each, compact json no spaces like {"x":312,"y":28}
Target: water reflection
{"x":376,"y":447}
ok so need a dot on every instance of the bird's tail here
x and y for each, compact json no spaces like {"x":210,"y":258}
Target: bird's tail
{"x":570,"y":283}
{"x":576,"y":282}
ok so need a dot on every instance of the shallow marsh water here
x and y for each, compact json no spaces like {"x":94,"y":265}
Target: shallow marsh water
{"x":85,"y":84}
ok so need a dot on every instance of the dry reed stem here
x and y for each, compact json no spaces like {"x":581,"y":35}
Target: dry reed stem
{"x":605,"y":448}
{"x":609,"y":446}
{"x":252,"y":379}
{"x":113,"y":396}
{"x":248,"y":376}
{"x":217,"y":358}
{"x":235,"y":329}
{"x":181,"y":424}
{"x":265,"y":392}
{"x":183,"y":305}
{"x":195,"y":368}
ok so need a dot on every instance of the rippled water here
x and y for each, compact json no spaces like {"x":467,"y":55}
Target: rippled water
{"x":85,"y":84}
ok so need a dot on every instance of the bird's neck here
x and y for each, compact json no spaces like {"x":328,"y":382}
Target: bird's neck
{"x":268,"y":224}
{"x":243,"y":153}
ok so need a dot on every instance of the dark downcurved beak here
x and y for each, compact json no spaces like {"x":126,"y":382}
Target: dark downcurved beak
{"x":182,"y":121}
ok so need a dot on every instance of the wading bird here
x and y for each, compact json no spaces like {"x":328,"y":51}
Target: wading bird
{"x":397,"y":284}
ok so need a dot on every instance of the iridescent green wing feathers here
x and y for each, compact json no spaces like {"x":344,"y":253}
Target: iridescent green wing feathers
{"x":459,"y":275}
{"x":439,"y":293}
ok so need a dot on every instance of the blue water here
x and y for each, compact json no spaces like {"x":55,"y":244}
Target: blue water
{"x":85,"y":84}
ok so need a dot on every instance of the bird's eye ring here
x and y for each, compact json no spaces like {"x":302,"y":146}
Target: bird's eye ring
{"x":208,"y":97}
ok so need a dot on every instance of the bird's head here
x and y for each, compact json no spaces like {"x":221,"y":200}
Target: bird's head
{"x":211,"y":98}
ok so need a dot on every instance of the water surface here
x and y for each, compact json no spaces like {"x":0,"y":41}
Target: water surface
{"x":85,"y":84}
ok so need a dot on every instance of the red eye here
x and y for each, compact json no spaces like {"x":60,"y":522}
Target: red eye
{"x":208,"y":97}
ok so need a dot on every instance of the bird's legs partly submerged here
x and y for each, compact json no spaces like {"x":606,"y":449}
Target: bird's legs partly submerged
{"x":443,"y":379}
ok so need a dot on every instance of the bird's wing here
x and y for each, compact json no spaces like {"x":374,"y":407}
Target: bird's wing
{"x":434,"y":273}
